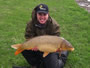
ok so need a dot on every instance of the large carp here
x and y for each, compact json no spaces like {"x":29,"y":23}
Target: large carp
{"x":46,"y":44}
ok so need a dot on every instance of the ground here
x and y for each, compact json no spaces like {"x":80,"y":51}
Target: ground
{"x":74,"y":25}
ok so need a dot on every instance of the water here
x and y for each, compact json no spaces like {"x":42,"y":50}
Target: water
{"x":88,"y":0}
{"x":84,"y":4}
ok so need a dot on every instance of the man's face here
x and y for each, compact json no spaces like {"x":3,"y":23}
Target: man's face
{"x":42,"y":17}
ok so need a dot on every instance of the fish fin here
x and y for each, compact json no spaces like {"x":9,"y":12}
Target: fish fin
{"x":59,"y":53}
{"x":45,"y":54}
{"x":59,"y":50}
{"x":19,"y":50}
{"x":16,"y":46}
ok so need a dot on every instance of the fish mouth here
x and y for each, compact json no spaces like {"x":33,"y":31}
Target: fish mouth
{"x":72,"y":49}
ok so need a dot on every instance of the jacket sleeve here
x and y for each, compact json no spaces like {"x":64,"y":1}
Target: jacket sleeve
{"x":29,"y":31}
{"x":56,"y":28}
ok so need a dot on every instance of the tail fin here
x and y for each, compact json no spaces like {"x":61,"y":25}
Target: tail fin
{"x":19,"y":50}
{"x":16,"y":46}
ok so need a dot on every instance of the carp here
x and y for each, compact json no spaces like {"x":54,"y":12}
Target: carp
{"x":46,"y":44}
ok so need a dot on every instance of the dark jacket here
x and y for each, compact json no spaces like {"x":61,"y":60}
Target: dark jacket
{"x":34,"y":28}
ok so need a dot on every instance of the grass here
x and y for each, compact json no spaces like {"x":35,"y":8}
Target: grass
{"x":74,"y":22}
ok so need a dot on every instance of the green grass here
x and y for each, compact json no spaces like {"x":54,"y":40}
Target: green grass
{"x":74,"y":22}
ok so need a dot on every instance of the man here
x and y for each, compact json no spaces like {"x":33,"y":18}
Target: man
{"x":43,"y":24}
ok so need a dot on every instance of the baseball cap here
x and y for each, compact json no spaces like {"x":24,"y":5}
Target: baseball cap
{"x":42,"y":8}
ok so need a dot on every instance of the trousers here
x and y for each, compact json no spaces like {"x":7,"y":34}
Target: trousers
{"x":52,"y":60}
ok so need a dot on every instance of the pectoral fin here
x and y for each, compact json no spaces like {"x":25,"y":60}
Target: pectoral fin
{"x":16,"y":46}
{"x":59,"y":53}
{"x":45,"y":54}
{"x":60,"y":50}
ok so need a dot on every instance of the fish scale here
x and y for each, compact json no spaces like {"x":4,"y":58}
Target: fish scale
{"x":46,"y":44}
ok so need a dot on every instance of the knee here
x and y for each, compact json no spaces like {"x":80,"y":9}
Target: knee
{"x":64,"y":56}
{"x":51,"y":56}
{"x":61,"y":63}
{"x":53,"y":61}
